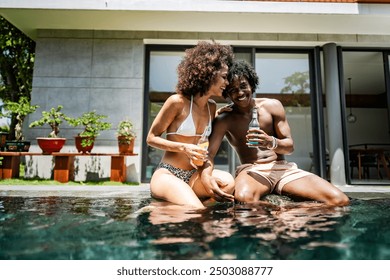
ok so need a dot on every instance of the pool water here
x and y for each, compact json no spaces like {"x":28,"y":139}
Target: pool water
{"x":135,"y":227}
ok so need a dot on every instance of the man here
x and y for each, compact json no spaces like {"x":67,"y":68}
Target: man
{"x":264,"y":169}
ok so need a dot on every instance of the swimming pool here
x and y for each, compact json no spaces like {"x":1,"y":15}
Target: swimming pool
{"x":134,"y":227}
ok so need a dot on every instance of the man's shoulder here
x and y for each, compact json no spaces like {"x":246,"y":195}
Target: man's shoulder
{"x":226,"y":117}
{"x":265,"y":101}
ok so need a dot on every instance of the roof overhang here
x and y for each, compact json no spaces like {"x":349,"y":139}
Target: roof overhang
{"x":198,"y":16}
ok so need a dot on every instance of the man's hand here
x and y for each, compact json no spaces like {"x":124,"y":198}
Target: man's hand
{"x":258,"y":138}
{"x":213,"y":187}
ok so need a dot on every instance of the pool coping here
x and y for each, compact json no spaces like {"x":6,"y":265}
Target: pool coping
{"x":360,"y":192}
{"x":70,"y":190}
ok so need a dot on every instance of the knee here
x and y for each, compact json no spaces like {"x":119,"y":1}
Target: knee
{"x":226,"y":181}
{"x":243,"y":194}
{"x":230,"y":185}
{"x":338,"y":199}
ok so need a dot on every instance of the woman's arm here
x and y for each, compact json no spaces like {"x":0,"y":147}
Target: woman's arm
{"x":171,"y":109}
{"x":167,"y":114}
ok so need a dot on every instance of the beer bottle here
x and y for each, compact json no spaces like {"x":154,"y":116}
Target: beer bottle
{"x":254,"y":123}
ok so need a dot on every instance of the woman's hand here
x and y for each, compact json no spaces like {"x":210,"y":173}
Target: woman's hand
{"x":195,"y":153}
{"x":226,"y":108}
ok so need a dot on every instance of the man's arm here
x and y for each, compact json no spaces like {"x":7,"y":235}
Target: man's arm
{"x":285,"y":143}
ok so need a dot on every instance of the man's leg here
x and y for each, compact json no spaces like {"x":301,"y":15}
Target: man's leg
{"x":250,"y":188}
{"x":315,"y":188}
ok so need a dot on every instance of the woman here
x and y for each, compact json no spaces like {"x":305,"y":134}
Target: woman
{"x":185,"y":116}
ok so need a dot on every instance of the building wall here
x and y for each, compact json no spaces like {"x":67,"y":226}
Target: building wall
{"x":84,"y":72}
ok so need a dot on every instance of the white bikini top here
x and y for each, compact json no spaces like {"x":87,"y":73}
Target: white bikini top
{"x":187,"y":127}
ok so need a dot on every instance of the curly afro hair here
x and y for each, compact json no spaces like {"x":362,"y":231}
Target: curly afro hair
{"x":241,"y":68}
{"x":200,"y":65}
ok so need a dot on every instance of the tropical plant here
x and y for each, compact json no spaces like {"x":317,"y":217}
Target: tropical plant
{"x":4,"y":128}
{"x":17,"y":53}
{"x":20,"y":110}
{"x":298,"y":82}
{"x":92,"y":123}
{"x":53,"y":118}
{"x":125,"y":132}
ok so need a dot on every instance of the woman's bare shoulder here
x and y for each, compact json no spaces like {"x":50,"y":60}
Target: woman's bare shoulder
{"x":176,"y":101}
{"x":211,"y":101}
{"x":212,"y":106}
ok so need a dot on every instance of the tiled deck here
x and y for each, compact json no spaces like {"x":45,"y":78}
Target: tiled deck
{"x":361,"y":192}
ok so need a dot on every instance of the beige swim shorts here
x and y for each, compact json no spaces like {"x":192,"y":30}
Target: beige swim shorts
{"x":277,"y":173}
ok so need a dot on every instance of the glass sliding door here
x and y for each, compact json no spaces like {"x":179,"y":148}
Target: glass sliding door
{"x":367,"y":116}
{"x":160,"y":84}
{"x":286,"y":77}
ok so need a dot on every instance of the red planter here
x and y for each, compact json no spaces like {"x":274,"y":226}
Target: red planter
{"x":50,"y":145}
{"x":80,"y":148}
{"x":125,"y":148}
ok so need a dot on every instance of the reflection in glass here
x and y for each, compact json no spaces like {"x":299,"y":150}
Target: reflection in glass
{"x":285,"y":76}
{"x":283,"y":73}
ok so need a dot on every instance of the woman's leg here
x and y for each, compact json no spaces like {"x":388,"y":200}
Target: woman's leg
{"x":164,"y":185}
{"x":225,"y":181}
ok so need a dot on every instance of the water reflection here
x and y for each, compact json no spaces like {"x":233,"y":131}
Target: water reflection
{"x":261,"y":220}
{"x":142,"y":228}
{"x":161,"y":212}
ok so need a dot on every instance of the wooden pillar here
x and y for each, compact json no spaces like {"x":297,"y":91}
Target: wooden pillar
{"x":11,"y":166}
{"x":64,"y":168}
{"x":118,"y":169}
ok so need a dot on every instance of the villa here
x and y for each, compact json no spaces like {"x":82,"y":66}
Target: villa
{"x":327,"y":61}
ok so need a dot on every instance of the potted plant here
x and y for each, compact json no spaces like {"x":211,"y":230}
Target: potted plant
{"x":126,"y":137}
{"x":93,"y":124}
{"x":20,"y":110}
{"x":53,"y":118}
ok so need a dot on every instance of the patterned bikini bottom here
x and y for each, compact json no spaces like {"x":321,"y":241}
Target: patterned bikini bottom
{"x":182,"y":174}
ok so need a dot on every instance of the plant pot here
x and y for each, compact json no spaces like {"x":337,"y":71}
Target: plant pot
{"x":17,"y":146}
{"x":50,"y":145}
{"x":125,"y":148}
{"x":3,"y":138}
{"x":86,"y":149}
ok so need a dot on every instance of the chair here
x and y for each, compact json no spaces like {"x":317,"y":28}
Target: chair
{"x":367,"y":161}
